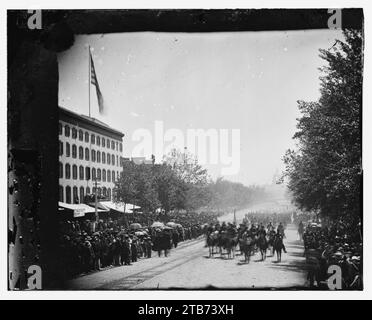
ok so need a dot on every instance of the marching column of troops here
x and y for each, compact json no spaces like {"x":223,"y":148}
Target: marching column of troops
{"x":252,"y":229}
{"x":251,"y":235}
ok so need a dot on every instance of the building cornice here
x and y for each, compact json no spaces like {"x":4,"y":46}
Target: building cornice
{"x":88,"y":123}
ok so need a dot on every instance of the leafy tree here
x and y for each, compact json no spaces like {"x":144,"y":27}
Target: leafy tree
{"x":194,"y":177}
{"x":187,"y":168}
{"x":227,"y":195}
{"x":146,"y":195}
{"x":324,"y":174}
{"x":170,"y":188}
{"x":125,"y":187}
{"x":136,"y":185}
{"x":179,"y":183}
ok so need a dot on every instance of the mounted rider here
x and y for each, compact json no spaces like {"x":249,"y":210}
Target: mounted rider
{"x":261,"y":231}
{"x":210,"y":229}
{"x":223,"y":227}
{"x":253,"y":229}
{"x":272,"y":233}
{"x":280,"y":229}
{"x":270,"y":227}
{"x":231,"y":230}
{"x":279,"y":236}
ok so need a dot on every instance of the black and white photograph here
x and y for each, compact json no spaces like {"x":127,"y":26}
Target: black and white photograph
{"x":185,"y":149}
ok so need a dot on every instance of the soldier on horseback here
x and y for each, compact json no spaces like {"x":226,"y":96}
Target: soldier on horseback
{"x":280,"y":230}
{"x":246,"y":244}
{"x":261,"y":232}
{"x":270,"y":227}
{"x":231,"y":230}
{"x":278,"y":238}
{"x":223,"y":227}
{"x":208,"y":232}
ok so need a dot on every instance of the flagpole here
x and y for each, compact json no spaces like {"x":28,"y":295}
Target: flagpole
{"x":89,"y":79}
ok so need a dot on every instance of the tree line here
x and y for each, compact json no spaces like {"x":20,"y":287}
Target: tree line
{"x":179,"y":182}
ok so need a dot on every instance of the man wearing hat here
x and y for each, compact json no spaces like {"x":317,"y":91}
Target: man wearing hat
{"x":97,"y":249}
{"x":126,"y":251}
{"x":116,"y":249}
{"x":134,"y":249}
{"x":148,"y":246}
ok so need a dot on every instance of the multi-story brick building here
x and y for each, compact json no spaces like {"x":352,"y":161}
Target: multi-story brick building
{"x":89,"y":151}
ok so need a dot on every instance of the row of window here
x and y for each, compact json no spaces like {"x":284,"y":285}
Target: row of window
{"x":86,"y":173}
{"x":77,"y":195}
{"x":115,"y":145}
{"x":95,"y":156}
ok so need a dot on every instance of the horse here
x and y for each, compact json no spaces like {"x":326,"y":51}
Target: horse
{"x":212,"y":242}
{"x":246,"y":246}
{"x":262,"y":245}
{"x":278,"y":247}
{"x":232,"y":243}
{"x":270,"y":243}
{"x":228,"y":243}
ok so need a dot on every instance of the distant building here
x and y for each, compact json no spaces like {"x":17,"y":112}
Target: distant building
{"x":89,"y":150}
{"x":142,"y":160}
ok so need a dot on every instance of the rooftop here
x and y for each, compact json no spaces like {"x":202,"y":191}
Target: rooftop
{"x":141,"y":160}
{"x":90,"y":120}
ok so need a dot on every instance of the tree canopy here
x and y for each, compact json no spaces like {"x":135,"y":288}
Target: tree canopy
{"x":180,"y":183}
{"x":325,"y":173}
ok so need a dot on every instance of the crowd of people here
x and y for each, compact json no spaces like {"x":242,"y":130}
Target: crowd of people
{"x":333,"y":242}
{"x":88,"y":245}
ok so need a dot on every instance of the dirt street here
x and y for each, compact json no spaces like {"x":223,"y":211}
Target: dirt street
{"x":189,"y":266}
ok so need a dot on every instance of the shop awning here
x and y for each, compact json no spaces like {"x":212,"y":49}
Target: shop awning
{"x":119,"y":206}
{"x":79,"y":210}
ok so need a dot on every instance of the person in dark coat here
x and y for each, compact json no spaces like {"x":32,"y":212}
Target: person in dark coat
{"x":175,"y":238}
{"x":106,"y":259}
{"x":116,"y":248}
{"x":126,"y":251}
{"x":142,"y":244}
{"x":134,"y":250}
{"x":148,"y":246}
{"x":97,"y":249}
{"x":88,"y":256}
{"x":166,"y":242}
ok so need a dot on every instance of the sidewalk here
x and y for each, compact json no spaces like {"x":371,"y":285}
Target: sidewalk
{"x":100,"y":278}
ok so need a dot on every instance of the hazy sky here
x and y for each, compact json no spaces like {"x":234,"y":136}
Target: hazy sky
{"x":247,"y":80}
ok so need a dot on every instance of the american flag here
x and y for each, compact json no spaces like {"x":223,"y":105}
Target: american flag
{"x":94,"y":81}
